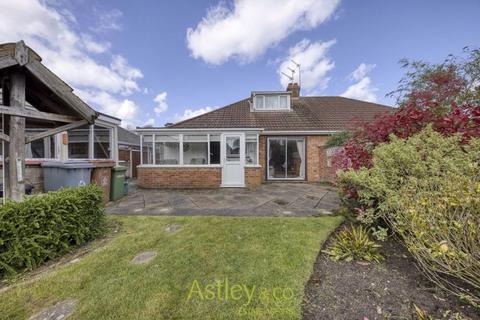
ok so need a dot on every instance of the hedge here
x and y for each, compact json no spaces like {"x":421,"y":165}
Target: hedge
{"x":48,"y":225}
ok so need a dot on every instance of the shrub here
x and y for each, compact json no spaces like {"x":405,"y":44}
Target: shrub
{"x":427,"y":189}
{"x":405,"y":122}
{"x":48,"y":225}
{"x":338,"y":139}
{"x":445,"y":95}
{"x":423,"y":156}
{"x":439,"y":222}
{"x":354,"y":243}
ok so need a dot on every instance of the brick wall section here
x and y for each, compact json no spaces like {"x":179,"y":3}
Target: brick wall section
{"x":326,"y":173}
{"x":179,"y":177}
{"x":253,"y":176}
{"x":262,"y":160}
{"x":314,"y":165}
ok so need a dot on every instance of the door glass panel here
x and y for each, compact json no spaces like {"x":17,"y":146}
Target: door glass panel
{"x":214,"y":149}
{"x":277,"y":160}
{"x":232,"y":149}
{"x":294,"y":158}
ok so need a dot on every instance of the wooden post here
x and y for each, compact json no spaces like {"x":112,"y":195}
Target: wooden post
{"x":16,"y":146}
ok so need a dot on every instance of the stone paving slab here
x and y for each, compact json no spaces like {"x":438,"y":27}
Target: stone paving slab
{"x":271,"y":199}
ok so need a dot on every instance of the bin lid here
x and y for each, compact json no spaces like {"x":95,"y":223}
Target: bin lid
{"x":119,"y":168}
{"x":71,"y":164}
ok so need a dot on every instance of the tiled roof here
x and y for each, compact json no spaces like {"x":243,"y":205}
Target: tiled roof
{"x":307,"y":113}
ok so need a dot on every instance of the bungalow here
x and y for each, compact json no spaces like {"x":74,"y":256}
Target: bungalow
{"x":270,"y":136}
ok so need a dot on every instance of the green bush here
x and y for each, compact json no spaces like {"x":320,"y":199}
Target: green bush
{"x":427,"y":189}
{"x":354,"y":243}
{"x":48,"y":225}
{"x":423,"y":156}
{"x":338,"y":139}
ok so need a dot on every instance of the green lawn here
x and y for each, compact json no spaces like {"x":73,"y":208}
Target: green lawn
{"x":266,"y":262}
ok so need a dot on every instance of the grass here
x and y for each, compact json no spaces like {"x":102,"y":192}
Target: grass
{"x":267,"y":260}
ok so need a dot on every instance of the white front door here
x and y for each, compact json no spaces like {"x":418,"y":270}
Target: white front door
{"x":233,"y":160}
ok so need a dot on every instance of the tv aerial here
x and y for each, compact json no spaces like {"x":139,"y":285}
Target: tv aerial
{"x":289,"y":77}
{"x":299,"y":71}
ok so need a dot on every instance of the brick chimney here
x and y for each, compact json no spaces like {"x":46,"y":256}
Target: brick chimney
{"x":294,"y":88}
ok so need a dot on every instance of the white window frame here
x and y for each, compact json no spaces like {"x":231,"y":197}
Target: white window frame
{"x":57,"y":150}
{"x":257,"y":151}
{"x":304,"y":164}
{"x":91,"y":142}
{"x":270,"y":108}
{"x":181,"y":139}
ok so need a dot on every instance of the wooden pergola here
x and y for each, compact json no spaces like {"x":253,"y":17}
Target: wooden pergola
{"x":32,"y":97}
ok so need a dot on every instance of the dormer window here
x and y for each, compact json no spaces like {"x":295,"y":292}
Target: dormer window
{"x":271,"y":101}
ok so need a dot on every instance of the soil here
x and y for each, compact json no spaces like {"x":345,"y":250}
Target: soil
{"x":387,"y":290}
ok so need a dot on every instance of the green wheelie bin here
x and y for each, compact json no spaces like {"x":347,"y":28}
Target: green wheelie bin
{"x":118,"y":179}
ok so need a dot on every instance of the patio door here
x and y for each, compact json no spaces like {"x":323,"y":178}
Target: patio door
{"x":233,"y":160}
{"x":286,"y":158}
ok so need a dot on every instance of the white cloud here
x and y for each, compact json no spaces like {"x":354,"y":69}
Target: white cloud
{"x":361,"y":72}
{"x":149,"y":123}
{"x":363,"y":89}
{"x":51,"y":32}
{"x":248,"y":28}
{"x":107,"y":20}
{"x":94,"y":46}
{"x":190,"y":113}
{"x":124,"y":109}
{"x":315,"y":65}
{"x":161,"y":100}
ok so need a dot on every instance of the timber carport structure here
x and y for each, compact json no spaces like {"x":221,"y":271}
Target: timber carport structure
{"x":32,"y":97}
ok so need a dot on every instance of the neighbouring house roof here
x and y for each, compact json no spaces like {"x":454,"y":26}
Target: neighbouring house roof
{"x":306,"y":114}
{"x":127,"y":137}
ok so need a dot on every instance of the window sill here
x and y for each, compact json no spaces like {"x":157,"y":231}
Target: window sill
{"x":253,"y":166}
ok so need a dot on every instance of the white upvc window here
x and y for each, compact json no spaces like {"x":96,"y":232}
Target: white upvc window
{"x":259,"y":103}
{"x":167,"y":149}
{"x":251,"y":149}
{"x":91,"y":142}
{"x":271,"y":102}
{"x":190,"y":149}
{"x":195,"y":149}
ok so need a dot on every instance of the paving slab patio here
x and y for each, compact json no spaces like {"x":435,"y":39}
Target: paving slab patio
{"x":271,"y":199}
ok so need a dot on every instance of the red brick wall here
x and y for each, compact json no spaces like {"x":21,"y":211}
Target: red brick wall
{"x":262,"y":157}
{"x":253,"y":176}
{"x":314,"y":165}
{"x":179,"y":177}
{"x":326,"y":173}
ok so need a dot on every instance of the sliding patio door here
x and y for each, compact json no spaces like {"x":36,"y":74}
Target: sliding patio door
{"x":286,"y":158}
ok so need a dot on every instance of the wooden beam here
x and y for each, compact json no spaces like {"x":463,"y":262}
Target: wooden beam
{"x":21,"y":53}
{"x":16,"y":146}
{"x":4,"y":137}
{"x":61,"y":89}
{"x":56,"y":130}
{"x":44,"y":100}
{"x":29,"y":113}
{"x":7,"y":61}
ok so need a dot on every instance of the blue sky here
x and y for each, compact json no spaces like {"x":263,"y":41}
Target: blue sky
{"x":152,"y":62}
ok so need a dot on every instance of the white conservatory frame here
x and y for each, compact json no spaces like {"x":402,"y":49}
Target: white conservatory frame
{"x":154,"y":132}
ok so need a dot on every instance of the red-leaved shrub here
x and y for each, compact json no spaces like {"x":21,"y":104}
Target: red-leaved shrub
{"x":403,"y":123}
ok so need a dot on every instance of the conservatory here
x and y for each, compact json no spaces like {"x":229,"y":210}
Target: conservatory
{"x":193,"y":158}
